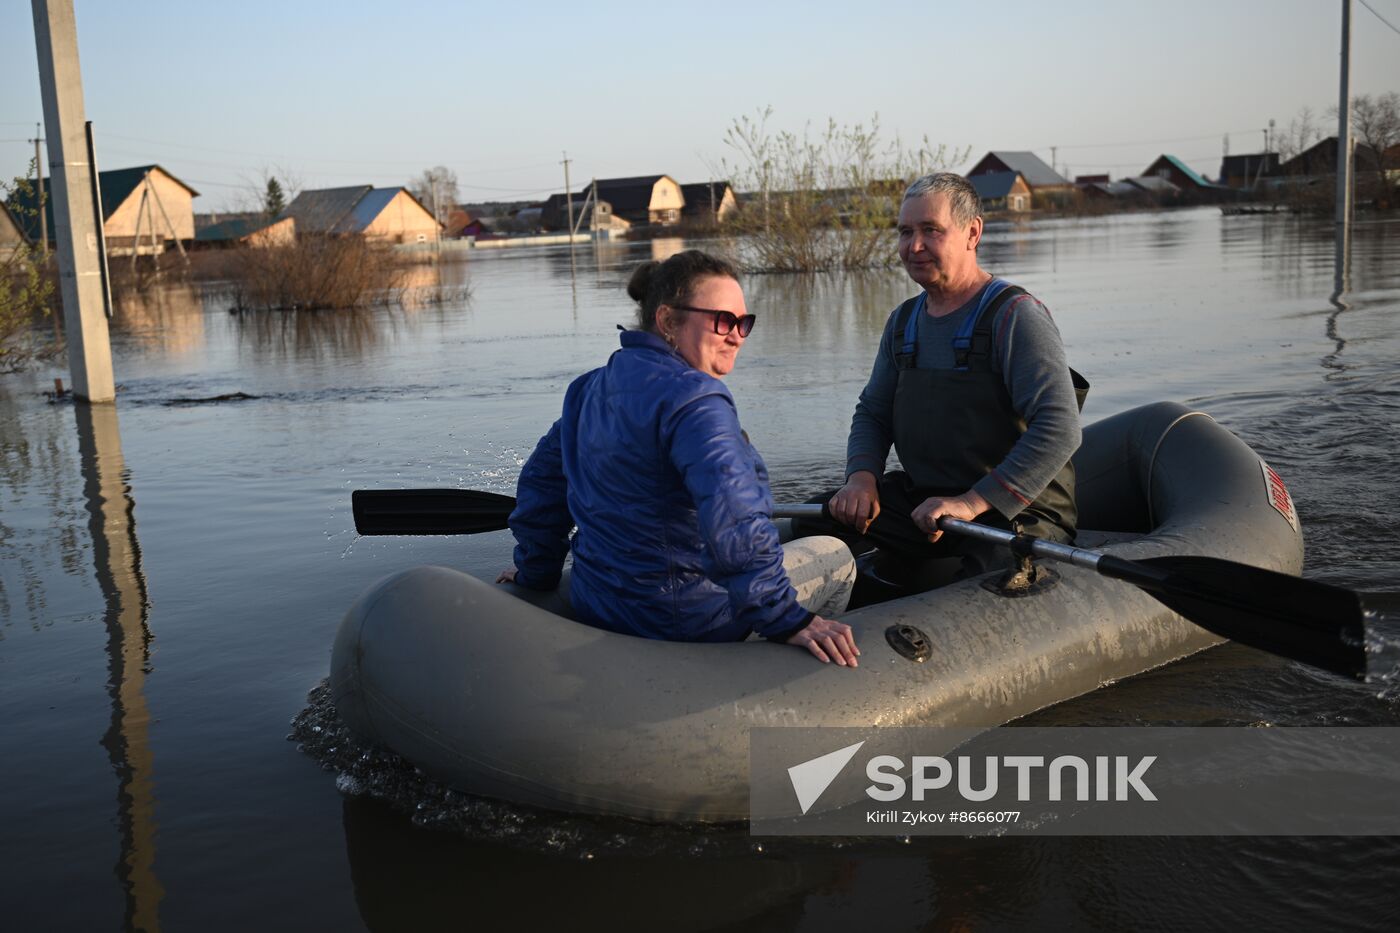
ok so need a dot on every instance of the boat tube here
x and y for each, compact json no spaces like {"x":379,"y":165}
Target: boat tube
{"x":489,"y":689}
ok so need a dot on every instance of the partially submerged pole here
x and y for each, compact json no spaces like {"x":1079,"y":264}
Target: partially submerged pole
{"x":75,"y":214}
{"x":1344,"y":192}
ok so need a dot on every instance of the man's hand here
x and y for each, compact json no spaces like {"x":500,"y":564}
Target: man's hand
{"x":829,"y":640}
{"x":858,"y":502}
{"x":507,"y":575}
{"x":967,"y":506}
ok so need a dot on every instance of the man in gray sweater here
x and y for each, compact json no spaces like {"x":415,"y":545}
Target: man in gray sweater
{"x":971,"y":386}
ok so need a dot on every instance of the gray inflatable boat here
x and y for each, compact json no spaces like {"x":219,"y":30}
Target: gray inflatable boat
{"x":499,"y":696}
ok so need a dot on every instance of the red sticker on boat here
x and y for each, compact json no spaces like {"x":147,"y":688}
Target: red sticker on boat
{"x":1278,"y":495}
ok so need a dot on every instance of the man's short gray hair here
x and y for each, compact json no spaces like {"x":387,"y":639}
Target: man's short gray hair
{"x":962,"y":197}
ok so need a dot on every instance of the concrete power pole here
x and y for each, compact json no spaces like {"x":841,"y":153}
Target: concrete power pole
{"x":1344,"y":146}
{"x":569,"y":195}
{"x":74,"y":209}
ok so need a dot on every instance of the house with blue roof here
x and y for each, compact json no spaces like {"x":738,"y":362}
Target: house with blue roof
{"x":387,"y":215}
{"x":1002,"y":191}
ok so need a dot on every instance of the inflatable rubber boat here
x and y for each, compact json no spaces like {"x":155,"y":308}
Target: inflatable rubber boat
{"x":491,"y":690}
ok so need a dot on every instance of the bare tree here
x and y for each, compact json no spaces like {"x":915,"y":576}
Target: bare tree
{"x":1302,"y":132}
{"x":820,"y":200}
{"x":437,"y":190}
{"x":1376,"y":123}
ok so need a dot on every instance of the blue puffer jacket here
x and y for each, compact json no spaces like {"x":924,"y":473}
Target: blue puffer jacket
{"x":675,"y":536}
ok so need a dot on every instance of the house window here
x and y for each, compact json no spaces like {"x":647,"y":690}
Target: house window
{"x":1018,"y":203}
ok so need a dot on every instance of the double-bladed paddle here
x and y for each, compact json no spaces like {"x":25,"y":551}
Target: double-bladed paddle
{"x":1316,"y":623}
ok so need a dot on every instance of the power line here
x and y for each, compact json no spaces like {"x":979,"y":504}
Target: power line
{"x":1380,"y":17}
{"x":284,"y":156}
{"x":1148,"y":142}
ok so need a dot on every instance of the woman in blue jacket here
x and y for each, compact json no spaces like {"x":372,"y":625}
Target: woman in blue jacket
{"x":675,"y":538}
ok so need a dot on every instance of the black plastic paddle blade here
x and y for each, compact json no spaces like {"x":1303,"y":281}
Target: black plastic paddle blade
{"x":429,"y":511}
{"x":1312,"y":622}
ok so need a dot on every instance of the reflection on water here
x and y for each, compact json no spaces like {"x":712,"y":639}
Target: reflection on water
{"x":664,"y":247}
{"x":313,"y":334}
{"x":169,"y":319}
{"x":117,"y":561}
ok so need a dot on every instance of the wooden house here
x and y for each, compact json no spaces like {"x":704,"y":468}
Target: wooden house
{"x":1187,"y":180}
{"x":555,"y":213}
{"x":643,"y":199}
{"x":1002,"y":191}
{"x":708,"y":202}
{"x":461,"y":223}
{"x":1321,"y":159}
{"x":386,"y":215}
{"x":143,"y":209}
{"x":1247,"y":169}
{"x":1040,"y":178}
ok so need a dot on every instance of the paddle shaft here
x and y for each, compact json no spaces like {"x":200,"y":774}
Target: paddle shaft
{"x":1025,"y":545}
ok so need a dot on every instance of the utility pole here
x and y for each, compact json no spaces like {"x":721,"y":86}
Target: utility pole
{"x":568,"y":194}
{"x":1053,"y":160}
{"x":74,"y":212}
{"x":39,"y":195}
{"x":1344,"y":149}
{"x":437,"y":214}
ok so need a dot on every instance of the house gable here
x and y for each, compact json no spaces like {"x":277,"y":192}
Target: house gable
{"x":1036,"y":173}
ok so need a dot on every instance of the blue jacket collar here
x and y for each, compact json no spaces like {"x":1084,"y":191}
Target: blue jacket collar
{"x":647,"y":341}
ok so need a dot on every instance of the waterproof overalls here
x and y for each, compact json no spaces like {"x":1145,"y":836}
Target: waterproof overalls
{"x":952,"y":427}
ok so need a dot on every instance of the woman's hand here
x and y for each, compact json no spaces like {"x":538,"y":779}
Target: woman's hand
{"x":829,"y":640}
{"x":507,"y":575}
{"x":858,"y":502}
{"x":967,"y":507}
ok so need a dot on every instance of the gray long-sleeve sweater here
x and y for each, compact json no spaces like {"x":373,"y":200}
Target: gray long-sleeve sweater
{"x":1031,"y":359}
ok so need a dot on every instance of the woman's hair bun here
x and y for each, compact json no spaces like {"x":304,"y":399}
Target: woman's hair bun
{"x":641,"y":281}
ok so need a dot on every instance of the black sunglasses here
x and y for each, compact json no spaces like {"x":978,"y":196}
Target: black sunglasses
{"x":725,"y":321}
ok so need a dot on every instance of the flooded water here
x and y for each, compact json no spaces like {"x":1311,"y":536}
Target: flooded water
{"x":172,"y":572}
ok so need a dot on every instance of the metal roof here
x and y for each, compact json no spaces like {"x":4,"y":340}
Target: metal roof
{"x":1036,"y":173}
{"x":327,"y":210}
{"x":1154,"y":184}
{"x":994,"y":185}
{"x":114,"y":186}
{"x":369,"y":206}
{"x":1116,"y":189}
{"x":629,"y":194}
{"x":1186,"y":170}
{"x":235,"y":228}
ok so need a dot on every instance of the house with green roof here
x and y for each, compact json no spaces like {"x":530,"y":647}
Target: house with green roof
{"x":1193,"y":185}
{"x":143,"y":208}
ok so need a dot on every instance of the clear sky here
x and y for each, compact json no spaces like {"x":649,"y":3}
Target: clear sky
{"x":348,"y":92}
